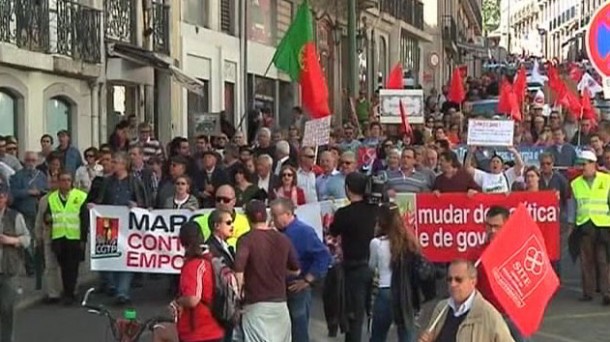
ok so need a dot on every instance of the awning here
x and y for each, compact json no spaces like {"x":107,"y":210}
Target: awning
{"x":142,"y":56}
{"x":472,"y":47}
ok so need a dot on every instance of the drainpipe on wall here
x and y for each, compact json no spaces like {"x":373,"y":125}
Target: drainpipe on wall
{"x":149,"y":90}
{"x":102,"y":89}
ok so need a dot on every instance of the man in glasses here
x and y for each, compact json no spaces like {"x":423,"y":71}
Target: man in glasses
{"x":177,"y":167}
{"x":225,"y":200}
{"x":150,"y":146}
{"x":306,"y":177}
{"x":28,"y":185}
{"x":336,"y":184}
{"x":465,"y":315}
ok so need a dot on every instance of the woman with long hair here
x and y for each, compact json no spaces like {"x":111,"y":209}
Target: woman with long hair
{"x":244,"y":189}
{"x":195,"y":322}
{"x":288,"y":186}
{"x":394,"y":254}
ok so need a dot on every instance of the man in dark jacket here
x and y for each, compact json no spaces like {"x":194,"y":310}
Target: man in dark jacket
{"x":142,"y":172}
{"x":121,"y":189}
{"x":211,"y":178}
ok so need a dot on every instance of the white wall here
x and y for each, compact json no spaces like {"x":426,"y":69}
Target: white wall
{"x":35,"y":88}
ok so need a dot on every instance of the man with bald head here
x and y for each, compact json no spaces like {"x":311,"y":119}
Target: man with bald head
{"x":225,"y":200}
{"x":28,"y":185}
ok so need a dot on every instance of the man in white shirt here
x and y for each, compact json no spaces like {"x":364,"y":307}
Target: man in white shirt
{"x":265,"y":180}
{"x":282,"y":155}
{"x":306,"y":178}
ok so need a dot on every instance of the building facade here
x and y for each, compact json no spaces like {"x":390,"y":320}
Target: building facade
{"x":560,"y":22}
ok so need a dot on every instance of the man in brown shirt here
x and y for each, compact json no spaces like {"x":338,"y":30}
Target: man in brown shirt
{"x":265,"y":258}
{"x":454,"y":177}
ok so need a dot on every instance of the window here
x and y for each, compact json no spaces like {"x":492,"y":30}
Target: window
{"x":383,"y":59}
{"x":58,"y":115}
{"x":196,"y":106}
{"x":227,"y":16}
{"x":8,"y":113}
{"x":262,"y":21}
{"x":230,"y":102}
{"x":195,"y":12}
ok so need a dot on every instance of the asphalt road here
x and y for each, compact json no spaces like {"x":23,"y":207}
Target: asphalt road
{"x":566,"y":320}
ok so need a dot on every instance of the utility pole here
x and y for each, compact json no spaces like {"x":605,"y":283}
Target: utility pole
{"x":353,"y":55}
{"x":508,"y":29}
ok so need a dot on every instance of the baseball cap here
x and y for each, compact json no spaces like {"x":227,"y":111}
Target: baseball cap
{"x":586,"y":156}
{"x":256,"y":211}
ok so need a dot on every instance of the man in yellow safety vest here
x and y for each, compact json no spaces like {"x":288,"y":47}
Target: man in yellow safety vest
{"x":68,"y":239}
{"x":591,"y":196}
{"x":225,"y":199}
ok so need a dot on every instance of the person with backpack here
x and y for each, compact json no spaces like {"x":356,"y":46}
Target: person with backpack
{"x":221,"y":222}
{"x":195,"y":321}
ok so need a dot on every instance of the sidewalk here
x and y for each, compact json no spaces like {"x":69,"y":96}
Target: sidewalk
{"x":29,"y":296}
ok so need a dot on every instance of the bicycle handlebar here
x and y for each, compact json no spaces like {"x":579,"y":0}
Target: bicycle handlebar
{"x":149,"y":324}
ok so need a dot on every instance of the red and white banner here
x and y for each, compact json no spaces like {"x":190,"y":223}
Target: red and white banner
{"x":452,"y":226}
{"x":519,"y":272}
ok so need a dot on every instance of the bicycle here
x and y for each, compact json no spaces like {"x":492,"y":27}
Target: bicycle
{"x":129,"y":328}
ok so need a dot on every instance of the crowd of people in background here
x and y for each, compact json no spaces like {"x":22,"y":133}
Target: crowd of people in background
{"x":53,"y":188}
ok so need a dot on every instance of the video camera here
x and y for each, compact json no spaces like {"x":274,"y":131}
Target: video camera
{"x":375,"y":192}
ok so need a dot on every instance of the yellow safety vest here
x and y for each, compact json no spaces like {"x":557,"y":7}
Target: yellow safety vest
{"x":66,"y":219}
{"x":592,"y":201}
{"x":240,"y":227}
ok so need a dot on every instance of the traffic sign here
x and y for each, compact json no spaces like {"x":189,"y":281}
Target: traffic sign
{"x":434,"y":59}
{"x":598,"y":43}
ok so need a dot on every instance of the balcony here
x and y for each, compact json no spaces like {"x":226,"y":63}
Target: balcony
{"x":409,"y":11}
{"x":121,"y":24}
{"x":59,"y":27}
{"x":160,"y":27}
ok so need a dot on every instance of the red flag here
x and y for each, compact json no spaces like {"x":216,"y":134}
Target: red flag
{"x":519,"y":271}
{"x":588,"y":112}
{"x":575,"y":72}
{"x":515,"y":107}
{"x":520,"y":84}
{"x":504,"y":100}
{"x":395,"y":78}
{"x":395,"y":82}
{"x":457,"y":94}
{"x":314,"y":91}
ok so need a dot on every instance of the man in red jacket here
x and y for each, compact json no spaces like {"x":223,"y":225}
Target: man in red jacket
{"x":494,"y":220}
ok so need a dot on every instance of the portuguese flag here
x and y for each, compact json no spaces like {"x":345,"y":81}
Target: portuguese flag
{"x":296,"y":55}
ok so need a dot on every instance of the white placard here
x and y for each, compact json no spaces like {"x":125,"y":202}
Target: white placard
{"x":316,"y":132}
{"x":606,"y":87}
{"x":412,"y":100}
{"x":491,"y":132}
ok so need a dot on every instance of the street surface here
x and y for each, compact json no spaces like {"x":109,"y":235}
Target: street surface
{"x":566,"y":320}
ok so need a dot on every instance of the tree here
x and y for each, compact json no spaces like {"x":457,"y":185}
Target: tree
{"x":491,"y":15}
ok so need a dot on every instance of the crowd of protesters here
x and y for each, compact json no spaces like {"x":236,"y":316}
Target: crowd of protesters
{"x":52,"y":190}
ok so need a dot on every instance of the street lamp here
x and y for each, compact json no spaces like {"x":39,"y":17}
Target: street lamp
{"x":361,"y":36}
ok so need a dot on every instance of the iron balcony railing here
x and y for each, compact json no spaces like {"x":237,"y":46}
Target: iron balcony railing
{"x":160,"y":26}
{"x":449,"y":30}
{"x":52,"y":26}
{"x":121,"y":20}
{"x":409,"y":11}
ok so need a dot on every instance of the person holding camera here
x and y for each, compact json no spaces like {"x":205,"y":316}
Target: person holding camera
{"x":355,"y":225}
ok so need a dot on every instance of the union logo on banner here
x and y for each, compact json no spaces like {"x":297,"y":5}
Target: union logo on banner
{"x":523,"y":272}
{"x":106,"y":238}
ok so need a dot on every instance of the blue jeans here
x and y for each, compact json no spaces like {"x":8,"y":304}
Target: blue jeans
{"x":298,"y":305}
{"x":514,"y":331}
{"x":122,"y":283}
{"x":383,"y":319}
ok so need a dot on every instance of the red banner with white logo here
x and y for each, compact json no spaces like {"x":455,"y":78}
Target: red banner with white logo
{"x":451,"y":226}
{"x":519,"y":271}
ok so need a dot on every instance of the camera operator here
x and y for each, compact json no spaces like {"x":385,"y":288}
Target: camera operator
{"x":355,"y":224}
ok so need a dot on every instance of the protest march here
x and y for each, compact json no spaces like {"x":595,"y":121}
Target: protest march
{"x":280,"y":170}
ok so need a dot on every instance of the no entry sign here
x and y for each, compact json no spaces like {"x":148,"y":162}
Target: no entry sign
{"x":598,"y":44}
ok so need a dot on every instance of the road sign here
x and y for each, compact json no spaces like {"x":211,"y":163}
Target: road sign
{"x":434,"y":59}
{"x":598,"y":43}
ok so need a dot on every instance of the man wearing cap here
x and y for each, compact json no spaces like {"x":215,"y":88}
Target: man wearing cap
{"x":210,"y":179}
{"x":178,"y":166}
{"x":70,"y":155}
{"x":14,"y":237}
{"x":591,"y":199}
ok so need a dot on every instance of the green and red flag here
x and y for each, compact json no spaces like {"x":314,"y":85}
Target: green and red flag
{"x":296,"y":55}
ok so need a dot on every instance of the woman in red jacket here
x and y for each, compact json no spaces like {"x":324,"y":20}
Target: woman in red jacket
{"x":195,"y":320}
{"x":288,"y":186}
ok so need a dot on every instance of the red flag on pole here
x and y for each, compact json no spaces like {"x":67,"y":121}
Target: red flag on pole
{"x":504,"y":99}
{"x":519,"y":271}
{"x":395,"y":82}
{"x":520,"y":84}
{"x":457,"y":94}
{"x":515,"y":107}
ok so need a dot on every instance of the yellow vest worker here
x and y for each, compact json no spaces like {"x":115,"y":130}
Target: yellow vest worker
{"x":592,"y":200}
{"x":240,"y":227}
{"x":65,"y":218}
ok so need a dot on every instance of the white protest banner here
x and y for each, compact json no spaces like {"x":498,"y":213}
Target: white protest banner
{"x":317,"y":132}
{"x":490,"y":132}
{"x":412,"y":100}
{"x":140,"y":240}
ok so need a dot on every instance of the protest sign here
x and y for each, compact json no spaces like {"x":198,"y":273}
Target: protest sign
{"x":529,"y":154}
{"x":452,"y":226}
{"x":412,"y":100}
{"x":366,"y":156}
{"x":490,"y":132}
{"x":316,"y":132}
{"x":140,"y":240}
